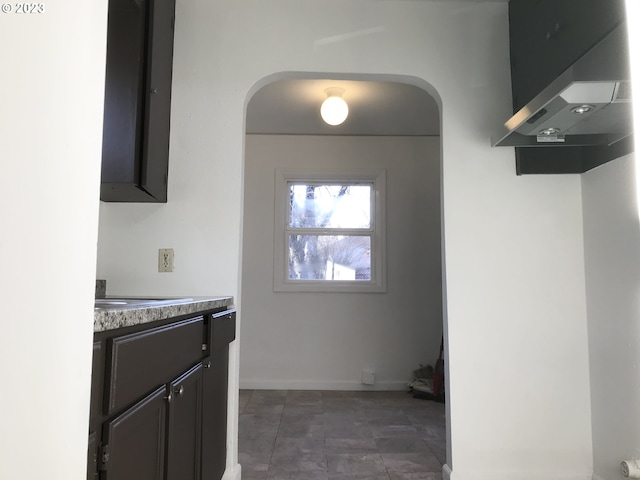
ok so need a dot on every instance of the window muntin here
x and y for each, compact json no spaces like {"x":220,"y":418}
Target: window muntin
{"x":329,"y":232}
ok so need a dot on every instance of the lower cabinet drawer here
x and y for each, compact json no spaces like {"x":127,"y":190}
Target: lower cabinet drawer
{"x":139,"y":362}
{"x":222,"y":330}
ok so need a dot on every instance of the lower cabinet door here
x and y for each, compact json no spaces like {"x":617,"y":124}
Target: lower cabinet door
{"x":214,"y":421}
{"x":134,"y":441}
{"x":92,"y":457}
{"x":185,"y":418}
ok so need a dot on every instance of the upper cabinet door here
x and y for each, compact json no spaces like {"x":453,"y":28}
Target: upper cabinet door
{"x":135,"y":152}
{"x":155,"y":147}
{"x":123,"y":99}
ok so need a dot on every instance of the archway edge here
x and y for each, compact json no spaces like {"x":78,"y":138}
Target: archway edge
{"x":362,"y":77}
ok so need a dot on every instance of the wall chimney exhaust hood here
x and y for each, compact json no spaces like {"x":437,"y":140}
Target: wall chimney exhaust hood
{"x":589,"y":104}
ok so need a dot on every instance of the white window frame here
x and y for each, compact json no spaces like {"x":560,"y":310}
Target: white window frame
{"x":281,"y":281}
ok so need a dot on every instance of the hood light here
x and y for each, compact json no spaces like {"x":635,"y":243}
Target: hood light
{"x":582,"y":109}
{"x":547,"y":132}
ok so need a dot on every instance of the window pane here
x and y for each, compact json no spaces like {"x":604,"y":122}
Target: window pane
{"x":329,"y":257}
{"x":329,"y":206}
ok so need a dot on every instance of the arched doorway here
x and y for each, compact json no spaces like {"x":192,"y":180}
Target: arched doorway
{"x":326,"y":341}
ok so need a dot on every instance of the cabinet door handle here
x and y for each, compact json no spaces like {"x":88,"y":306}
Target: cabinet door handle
{"x":169,"y":397}
{"x":154,"y":90}
{"x":206,"y":364}
{"x":179,"y":390}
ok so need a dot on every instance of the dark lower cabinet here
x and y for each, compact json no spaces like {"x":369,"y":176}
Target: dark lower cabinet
{"x":94,"y":413}
{"x":214,"y":428}
{"x":161,"y":411}
{"x":92,"y":457}
{"x":221,"y":332}
{"x":133,"y":443}
{"x":140,"y":361}
{"x":185,"y":419}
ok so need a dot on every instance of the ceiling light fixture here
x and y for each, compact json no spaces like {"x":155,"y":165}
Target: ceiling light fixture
{"x":334,"y":109}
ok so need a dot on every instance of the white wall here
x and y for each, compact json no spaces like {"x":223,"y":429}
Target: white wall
{"x":518,"y":378}
{"x":51,"y":97}
{"x":324,"y":341}
{"x":612,"y":263}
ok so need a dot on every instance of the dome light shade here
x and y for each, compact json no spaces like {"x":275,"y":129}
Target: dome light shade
{"x":334,"y":109}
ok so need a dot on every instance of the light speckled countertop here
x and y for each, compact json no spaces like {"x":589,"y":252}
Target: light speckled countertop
{"x":125,"y":315}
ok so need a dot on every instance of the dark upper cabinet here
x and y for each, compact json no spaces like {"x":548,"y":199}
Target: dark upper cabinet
{"x":547,"y":36}
{"x":135,"y":151}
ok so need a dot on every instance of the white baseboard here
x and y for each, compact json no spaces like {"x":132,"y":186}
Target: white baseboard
{"x":448,"y":474}
{"x":321,"y":385}
{"x":234,"y":473}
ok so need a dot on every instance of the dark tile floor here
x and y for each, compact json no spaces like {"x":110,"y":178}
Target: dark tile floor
{"x":335,"y":435}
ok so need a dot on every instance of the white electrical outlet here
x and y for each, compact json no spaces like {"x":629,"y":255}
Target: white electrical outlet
{"x":165,"y":260}
{"x":368,"y":377}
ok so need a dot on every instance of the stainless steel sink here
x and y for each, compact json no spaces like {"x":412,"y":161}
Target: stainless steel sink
{"x":137,"y":302}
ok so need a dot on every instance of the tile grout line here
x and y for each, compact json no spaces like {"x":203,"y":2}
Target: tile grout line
{"x":275,"y":439}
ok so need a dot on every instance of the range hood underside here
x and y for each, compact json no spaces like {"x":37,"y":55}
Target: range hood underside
{"x":596,"y":86}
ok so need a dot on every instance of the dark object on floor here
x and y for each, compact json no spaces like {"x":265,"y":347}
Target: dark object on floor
{"x":438,"y":372}
{"x":428,"y":396}
{"x":431,"y":385}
